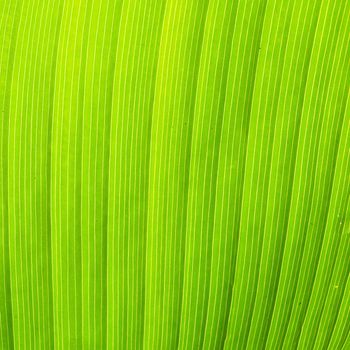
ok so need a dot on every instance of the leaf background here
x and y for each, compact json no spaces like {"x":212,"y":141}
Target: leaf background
{"x":174,"y":174}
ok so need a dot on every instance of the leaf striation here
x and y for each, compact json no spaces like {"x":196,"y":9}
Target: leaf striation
{"x":174,"y":174}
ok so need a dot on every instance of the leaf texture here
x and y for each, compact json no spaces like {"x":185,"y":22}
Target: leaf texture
{"x":174,"y":174}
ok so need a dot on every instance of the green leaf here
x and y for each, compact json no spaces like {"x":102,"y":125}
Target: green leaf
{"x":174,"y":174}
